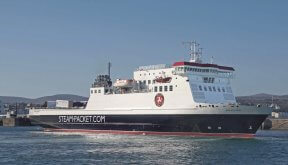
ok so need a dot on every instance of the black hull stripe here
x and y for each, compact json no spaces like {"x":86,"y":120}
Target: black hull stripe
{"x":213,"y":124}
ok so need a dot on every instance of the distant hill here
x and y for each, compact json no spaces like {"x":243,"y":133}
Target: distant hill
{"x":41,"y":100}
{"x":11,"y":99}
{"x":263,"y":98}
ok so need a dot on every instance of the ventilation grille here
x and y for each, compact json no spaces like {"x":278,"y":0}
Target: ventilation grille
{"x":228,"y":96}
{"x":198,"y":95}
{"x":194,"y":87}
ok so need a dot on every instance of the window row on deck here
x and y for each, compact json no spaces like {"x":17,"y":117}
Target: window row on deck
{"x":214,"y":89}
{"x":198,"y":70}
{"x":95,"y":91}
{"x":189,"y":69}
{"x":163,"y":88}
{"x":147,"y":82}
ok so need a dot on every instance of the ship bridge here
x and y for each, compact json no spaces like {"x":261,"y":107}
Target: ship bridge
{"x":210,"y":83}
{"x":203,"y":69}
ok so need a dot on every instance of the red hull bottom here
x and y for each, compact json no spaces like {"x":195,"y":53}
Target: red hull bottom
{"x":192,"y":134}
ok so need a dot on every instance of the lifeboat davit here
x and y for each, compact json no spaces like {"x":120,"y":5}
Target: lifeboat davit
{"x":163,"y":80}
{"x":123,"y":83}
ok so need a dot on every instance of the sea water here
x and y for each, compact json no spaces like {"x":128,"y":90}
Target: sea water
{"x":30,"y":145}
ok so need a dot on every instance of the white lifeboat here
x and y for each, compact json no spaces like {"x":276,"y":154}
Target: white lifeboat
{"x":123,"y":83}
{"x":163,"y":80}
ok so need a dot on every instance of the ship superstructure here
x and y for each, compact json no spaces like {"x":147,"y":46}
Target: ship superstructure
{"x":183,"y":98}
{"x":209,"y":84}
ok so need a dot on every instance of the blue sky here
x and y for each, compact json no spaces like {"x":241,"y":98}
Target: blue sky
{"x":50,"y":47}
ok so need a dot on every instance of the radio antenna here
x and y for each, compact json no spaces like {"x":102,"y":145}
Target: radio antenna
{"x":109,"y":68}
{"x":195,"y":51}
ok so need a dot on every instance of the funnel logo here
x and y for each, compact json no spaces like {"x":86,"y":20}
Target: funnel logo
{"x":159,"y":100}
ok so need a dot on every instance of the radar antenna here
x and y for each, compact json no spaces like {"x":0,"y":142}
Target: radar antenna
{"x":195,"y":51}
{"x":109,"y":69}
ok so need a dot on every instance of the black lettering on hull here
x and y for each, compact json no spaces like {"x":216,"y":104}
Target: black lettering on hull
{"x":81,"y":119}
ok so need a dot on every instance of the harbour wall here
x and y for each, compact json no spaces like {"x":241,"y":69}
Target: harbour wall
{"x":275,"y":124}
{"x":13,"y":122}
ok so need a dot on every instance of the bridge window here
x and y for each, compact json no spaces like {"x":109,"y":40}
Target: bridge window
{"x":95,"y":91}
{"x":155,"y":89}
{"x":219,"y":90}
{"x":171,"y":88}
{"x":205,"y":88}
{"x":160,"y":89}
{"x":185,"y":69}
{"x":165,"y":88}
{"x":211,"y":80}
{"x":180,"y":69}
{"x":210,"y":89}
{"x":91,"y":91}
{"x":208,"y":79}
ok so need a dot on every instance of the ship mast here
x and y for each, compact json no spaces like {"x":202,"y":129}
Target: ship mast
{"x":195,"y":51}
{"x":109,"y":68}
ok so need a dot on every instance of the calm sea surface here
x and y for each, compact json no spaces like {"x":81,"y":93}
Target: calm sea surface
{"x":30,"y":145}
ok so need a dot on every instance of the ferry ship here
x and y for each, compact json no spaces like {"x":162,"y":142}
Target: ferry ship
{"x":190,"y":98}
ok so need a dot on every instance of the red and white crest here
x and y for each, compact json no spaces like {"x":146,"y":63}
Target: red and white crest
{"x":159,"y":100}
